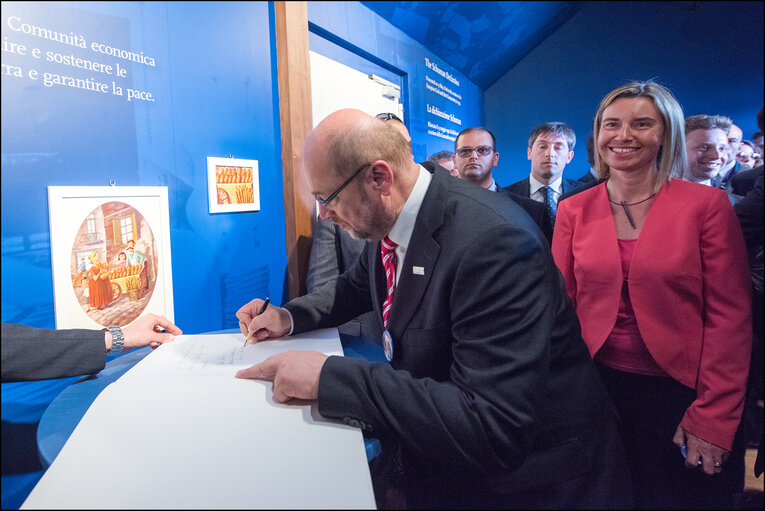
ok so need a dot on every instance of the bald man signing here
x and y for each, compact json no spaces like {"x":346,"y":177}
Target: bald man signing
{"x":490,"y":399}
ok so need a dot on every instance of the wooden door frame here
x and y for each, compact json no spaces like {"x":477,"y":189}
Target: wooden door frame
{"x":293,"y":64}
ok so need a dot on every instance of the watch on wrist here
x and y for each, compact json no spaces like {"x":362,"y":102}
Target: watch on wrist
{"x":117,"y":340}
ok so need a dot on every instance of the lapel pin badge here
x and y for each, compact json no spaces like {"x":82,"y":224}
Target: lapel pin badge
{"x":418,"y":270}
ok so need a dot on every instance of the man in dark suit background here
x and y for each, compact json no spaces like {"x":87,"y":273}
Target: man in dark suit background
{"x":475,"y":157}
{"x":490,"y":399}
{"x":731,"y":167}
{"x":743,"y":182}
{"x":551,"y":148}
{"x":592,"y":174}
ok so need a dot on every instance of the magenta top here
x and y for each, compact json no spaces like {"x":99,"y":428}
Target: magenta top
{"x":624,"y":349}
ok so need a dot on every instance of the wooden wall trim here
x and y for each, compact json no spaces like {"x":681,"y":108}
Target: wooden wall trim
{"x":293,"y":64}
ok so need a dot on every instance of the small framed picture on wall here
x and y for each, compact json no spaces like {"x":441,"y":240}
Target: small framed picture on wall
{"x":232,"y":185}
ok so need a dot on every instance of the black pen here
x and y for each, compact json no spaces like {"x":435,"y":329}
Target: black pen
{"x":262,"y":310}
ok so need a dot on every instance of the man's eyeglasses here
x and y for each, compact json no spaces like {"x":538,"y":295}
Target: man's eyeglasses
{"x":326,"y":201}
{"x":387,"y":116}
{"x":482,"y":150}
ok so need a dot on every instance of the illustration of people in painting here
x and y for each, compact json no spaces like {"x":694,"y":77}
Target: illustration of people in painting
{"x":99,"y":286}
{"x":85,"y":296}
{"x":121,"y":260}
{"x":134,"y":258}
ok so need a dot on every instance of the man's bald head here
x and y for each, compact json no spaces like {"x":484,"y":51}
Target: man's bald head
{"x":368,"y":161}
{"x":348,"y":138}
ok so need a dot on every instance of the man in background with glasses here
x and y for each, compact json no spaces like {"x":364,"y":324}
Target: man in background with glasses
{"x":475,"y":155}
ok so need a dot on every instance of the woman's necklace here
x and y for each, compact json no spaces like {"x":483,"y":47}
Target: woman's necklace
{"x":624,"y":205}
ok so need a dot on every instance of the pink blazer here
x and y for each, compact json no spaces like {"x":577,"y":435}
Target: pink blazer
{"x":689,"y":286}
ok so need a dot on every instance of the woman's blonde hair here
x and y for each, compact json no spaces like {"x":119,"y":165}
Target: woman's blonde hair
{"x":672,"y":159}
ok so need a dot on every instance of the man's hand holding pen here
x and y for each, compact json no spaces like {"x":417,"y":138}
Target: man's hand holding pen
{"x":272,"y":322}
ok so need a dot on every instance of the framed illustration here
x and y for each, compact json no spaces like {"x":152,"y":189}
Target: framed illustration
{"x":232,"y":185}
{"x":110,"y":253}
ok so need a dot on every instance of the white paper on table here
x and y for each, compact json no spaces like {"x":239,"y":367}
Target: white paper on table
{"x":180,"y":431}
{"x":219,"y":355}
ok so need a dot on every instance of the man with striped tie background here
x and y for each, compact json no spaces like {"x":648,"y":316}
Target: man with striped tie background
{"x":551,"y":148}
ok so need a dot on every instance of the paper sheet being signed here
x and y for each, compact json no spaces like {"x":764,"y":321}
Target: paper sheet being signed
{"x":220,"y":355}
{"x":180,"y":431}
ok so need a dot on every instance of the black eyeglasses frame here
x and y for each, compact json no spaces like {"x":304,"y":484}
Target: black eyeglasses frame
{"x":476,"y":150}
{"x":334,"y":194}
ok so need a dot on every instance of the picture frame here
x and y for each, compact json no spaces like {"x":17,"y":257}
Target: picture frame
{"x":232,"y":185}
{"x":110,"y":254}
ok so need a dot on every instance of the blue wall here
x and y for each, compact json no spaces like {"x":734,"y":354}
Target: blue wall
{"x":214,"y":95}
{"x":711,"y":58}
{"x":357,"y":27}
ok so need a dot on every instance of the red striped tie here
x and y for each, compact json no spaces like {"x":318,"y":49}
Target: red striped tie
{"x":388,"y":249}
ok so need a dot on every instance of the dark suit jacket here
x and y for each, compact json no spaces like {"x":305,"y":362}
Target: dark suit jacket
{"x":433,"y":167}
{"x":585,"y":186}
{"x":491,"y":394}
{"x":535,"y":210}
{"x":750,"y":216}
{"x":587,"y":178}
{"x":523,"y":187}
{"x":41,"y":354}
{"x":333,"y":252}
{"x":743,"y":182}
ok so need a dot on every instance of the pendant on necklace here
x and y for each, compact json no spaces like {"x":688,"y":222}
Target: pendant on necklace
{"x":627,"y":212}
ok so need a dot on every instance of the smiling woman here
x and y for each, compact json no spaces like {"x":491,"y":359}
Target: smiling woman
{"x":682,"y":295}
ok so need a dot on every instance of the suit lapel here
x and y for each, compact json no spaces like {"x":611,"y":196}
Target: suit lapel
{"x":421,"y":256}
{"x":526,"y":192}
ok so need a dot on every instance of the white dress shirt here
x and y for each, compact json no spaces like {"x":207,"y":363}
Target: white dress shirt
{"x":535,"y":192}
{"x":402,"y":230}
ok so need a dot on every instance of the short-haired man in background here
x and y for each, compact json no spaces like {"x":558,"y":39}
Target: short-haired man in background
{"x":446,"y":160}
{"x":592,"y":174}
{"x":551,"y":148}
{"x":706,"y":143}
{"x":475,"y":156}
{"x":743,"y":182}
{"x":731,"y":166}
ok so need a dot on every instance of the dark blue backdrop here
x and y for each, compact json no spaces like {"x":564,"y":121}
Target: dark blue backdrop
{"x":710,"y":54}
